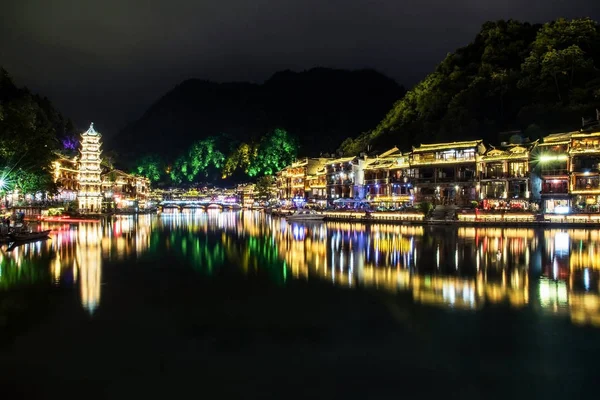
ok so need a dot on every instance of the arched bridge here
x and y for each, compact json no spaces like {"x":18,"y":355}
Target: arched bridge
{"x":204,"y":204}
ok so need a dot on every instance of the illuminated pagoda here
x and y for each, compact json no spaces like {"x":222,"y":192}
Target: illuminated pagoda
{"x":90,"y":183}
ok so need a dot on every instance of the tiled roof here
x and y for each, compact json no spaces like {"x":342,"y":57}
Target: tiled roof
{"x":446,"y":146}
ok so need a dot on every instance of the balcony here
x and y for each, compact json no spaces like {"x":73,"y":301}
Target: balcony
{"x":340,"y":182}
{"x":583,"y":188}
{"x":444,"y":160}
{"x":403,"y":179}
{"x":504,"y":176}
{"x":554,"y":172}
{"x":555,"y":188}
{"x":424,"y":179}
{"x":517,"y":195}
{"x":383,"y":181}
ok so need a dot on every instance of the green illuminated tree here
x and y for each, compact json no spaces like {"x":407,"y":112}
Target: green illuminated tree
{"x":151,"y":167}
{"x":204,"y":156}
{"x":180,"y":172}
{"x":275,"y":150}
{"x":239,"y":159}
{"x":28,"y":182}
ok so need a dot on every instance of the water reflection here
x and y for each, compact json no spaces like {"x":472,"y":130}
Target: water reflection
{"x":554,"y":271}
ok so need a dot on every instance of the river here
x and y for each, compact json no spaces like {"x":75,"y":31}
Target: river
{"x":149,"y":297}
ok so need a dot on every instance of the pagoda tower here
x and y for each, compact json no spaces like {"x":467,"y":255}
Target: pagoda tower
{"x":90,"y":183}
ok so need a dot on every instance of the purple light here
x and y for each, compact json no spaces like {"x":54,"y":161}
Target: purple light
{"x":70,"y":143}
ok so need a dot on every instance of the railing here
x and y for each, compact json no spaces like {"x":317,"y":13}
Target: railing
{"x":554,"y":172}
{"x":399,"y":180}
{"x":504,"y":176}
{"x":583,"y":169}
{"x":435,"y":160}
{"x":595,"y":186}
{"x":424,"y":179}
{"x":376,"y":181}
{"x":516,"y":195}
{"x":555,"y":191}
{"x":340,"y":182}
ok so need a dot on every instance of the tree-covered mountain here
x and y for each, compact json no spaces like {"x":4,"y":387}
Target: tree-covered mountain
{"x":513,"y":76}
{"x":320,"y":107}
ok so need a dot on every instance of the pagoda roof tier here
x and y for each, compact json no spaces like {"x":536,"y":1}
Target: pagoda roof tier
{"x":91,"y":132}
{"x":447,"y":146}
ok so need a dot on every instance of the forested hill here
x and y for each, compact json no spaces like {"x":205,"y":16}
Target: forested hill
{"x":320,"y":107}
{"x":513,"y":76}
{"x":31,"y":129}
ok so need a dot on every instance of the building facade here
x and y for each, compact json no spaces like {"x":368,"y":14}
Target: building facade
{"x":505,"y":181}
{"x":551,"y":163}
{"x":386,"y":180}
{"x":584,"y":184}
{"x":123,"y":191}
{"x":303,"y":180}
{"x":317,"y":184}
{"x":446,"y":173}
{"x":345,"y":178}
{"x":66,"y":172}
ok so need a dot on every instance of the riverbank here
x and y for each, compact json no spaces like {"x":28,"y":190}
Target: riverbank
{"x":529,"y":220}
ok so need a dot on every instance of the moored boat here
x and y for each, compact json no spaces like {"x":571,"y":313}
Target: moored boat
{"x":26,"y":236}
{"x":305,"y":215}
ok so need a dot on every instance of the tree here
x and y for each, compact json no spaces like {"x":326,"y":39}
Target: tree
{"x":275,"y":150}
{"x":31,"y":182}
{"x":511,"y":76}
{"x":425,"y":207}
{"x":203,"y":155}
{"x":150,"y":166}
{"x":28,"y":136}
{"x":238,"y":159}
{"x":263,"y":187}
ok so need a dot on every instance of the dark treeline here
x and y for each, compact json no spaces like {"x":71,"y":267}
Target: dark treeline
{"x":514,"y":76}
{"x":31,"y":130}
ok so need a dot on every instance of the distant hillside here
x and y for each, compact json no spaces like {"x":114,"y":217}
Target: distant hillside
{"x":321,"y":107}
{"x":513,"y":76}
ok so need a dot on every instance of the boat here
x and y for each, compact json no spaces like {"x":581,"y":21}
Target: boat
{"x":14,"y":244}
{"x":26,"y":236}
{"x":305,"y":215}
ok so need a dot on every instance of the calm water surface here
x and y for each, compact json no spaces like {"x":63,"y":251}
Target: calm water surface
{"x":517,"y":310}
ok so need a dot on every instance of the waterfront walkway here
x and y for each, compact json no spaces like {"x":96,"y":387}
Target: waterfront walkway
{"x":468,"y":217}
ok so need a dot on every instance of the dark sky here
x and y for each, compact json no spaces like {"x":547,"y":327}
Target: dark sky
{"x":107,"y":61}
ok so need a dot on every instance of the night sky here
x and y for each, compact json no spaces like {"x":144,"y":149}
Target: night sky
{"x":107,"y":61}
